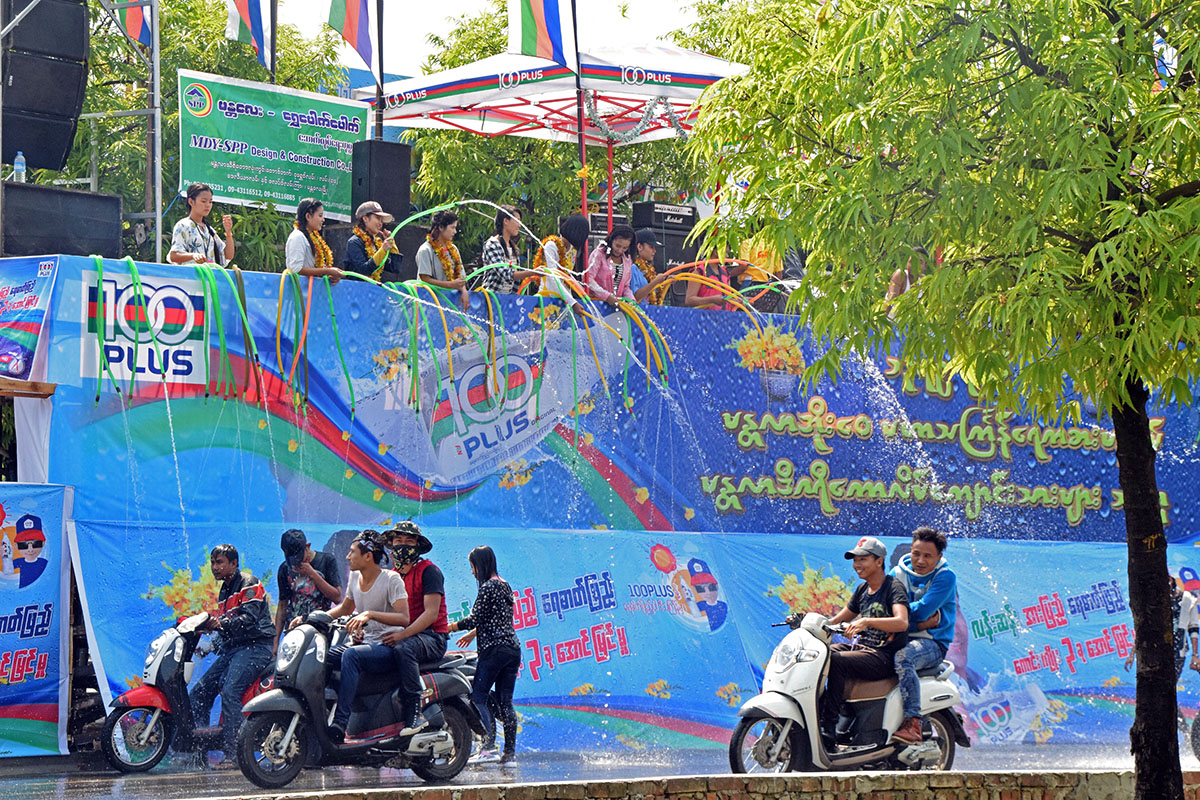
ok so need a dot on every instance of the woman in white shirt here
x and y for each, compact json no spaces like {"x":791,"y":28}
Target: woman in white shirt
{"x":193,"y":240}
{"x":306,"y":252}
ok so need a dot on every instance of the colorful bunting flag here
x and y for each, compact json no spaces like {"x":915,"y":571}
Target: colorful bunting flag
{"x":136,"y":22}
{"x":543,"y":28}
{"x":249,"y":22}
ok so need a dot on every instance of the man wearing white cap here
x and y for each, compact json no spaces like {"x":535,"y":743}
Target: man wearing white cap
{"x":878,"y":617}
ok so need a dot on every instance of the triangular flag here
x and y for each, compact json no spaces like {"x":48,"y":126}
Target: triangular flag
{"x":543,"y":28}
{"x":355,"y":21}
{"x":248,"y":23}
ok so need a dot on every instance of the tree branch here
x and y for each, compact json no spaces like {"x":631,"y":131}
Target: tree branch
{"x":1189,"y":189}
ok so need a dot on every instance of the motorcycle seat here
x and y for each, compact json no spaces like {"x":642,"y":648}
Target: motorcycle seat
{"x":430,"y":666}
{"x":930,"y":672}
{"x":858,"y":691}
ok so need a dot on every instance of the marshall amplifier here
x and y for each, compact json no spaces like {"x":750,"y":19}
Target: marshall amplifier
{"x":664,"y":216}
{"x":599,"y":222}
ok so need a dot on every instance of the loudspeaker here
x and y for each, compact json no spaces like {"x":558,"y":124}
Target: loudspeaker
{"x":382,"y":171}
{"x":45,"y":75}
{"x":46,"y":219}
{"x":663,"y":215}
{"x":674,"y":250}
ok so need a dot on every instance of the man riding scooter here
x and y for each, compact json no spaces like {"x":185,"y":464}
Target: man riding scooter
{"x":245,"y":635}
{"x":878,"y":623}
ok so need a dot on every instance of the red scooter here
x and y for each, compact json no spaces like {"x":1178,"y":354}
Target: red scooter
{"x":146,"y":721}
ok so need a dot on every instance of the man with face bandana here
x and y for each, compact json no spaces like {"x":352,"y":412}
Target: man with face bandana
{"x":424,"y":638}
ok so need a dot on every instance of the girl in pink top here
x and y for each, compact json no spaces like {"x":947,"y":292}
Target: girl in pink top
{"x":610,"y":267}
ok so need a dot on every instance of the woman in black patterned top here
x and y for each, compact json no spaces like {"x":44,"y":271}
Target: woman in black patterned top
{"x":499,"y":653}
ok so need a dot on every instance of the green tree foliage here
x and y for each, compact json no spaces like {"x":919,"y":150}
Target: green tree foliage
{"x":536,"y":176}
{"x":192,"y":37}
{"x":1032,"y":142}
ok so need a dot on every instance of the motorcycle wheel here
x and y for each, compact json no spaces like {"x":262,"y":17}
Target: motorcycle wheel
{"x":446,"y":767}
{"x":753,"y":740}
{"x":943,"y":736}
{"x":258,"y":752}
{"x":1195,"y":737}
{"x":123,"y":727}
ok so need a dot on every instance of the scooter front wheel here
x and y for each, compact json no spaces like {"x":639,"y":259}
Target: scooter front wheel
{"x":759,"y":745}
{"x":262,"y":754}
{"x":134,"y":740}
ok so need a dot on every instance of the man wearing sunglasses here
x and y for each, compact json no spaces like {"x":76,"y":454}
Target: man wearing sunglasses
{"x":31,"y":543}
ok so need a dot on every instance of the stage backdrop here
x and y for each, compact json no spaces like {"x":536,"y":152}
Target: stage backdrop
{"x":34,"y":619}
{"x":25,"y":287}
{"x":257,"y":142}
{"x":613,"y":465}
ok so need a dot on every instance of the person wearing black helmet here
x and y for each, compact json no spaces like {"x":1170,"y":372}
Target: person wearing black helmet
{"x":424,"y":638}
{"x":307,"y":581}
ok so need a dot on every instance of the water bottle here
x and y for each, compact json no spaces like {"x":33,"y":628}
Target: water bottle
{"x":19,"y":167}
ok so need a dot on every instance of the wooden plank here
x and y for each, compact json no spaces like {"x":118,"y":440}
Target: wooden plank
{"x":15,"y":388}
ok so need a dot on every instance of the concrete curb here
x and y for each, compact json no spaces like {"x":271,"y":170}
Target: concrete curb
{"x":1057,"y":785}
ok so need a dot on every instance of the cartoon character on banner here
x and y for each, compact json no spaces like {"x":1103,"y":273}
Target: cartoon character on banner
{"x":7,"y":570}
{"x":31,"y":543}
{"x":694,"y":590}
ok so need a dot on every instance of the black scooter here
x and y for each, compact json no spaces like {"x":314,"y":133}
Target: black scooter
{"x":281,"y":724}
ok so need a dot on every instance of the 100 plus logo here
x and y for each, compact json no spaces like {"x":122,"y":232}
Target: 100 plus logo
{"x":125,"y":321}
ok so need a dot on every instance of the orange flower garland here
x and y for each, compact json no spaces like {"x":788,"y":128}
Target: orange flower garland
{"x":451,"y":260}
{"x":659,"y":294}
{"x":322,"y":255}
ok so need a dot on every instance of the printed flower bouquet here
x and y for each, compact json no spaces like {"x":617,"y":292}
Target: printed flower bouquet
{"x":776,"y":354}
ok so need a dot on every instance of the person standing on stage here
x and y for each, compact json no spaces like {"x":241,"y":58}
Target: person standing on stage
{"x":369,"y":250}
{"x":501,"y":256}
{"x":645,"y":282}
{"x":438,"y":261}
{"x":193,"y":240}
{"x":306,"y":253}
{"x":610,"y":267}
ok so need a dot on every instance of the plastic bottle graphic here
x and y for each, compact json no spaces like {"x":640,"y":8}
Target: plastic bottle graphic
{"x":19,"y":167}
{"x":6,"y":556}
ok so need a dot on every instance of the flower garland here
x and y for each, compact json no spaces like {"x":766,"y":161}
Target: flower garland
{"x":566,"y":253}
{"x":451,"y":260}
{"x":659,"y":293}
{"x":322,"y":255}
{"x":372,"y":245}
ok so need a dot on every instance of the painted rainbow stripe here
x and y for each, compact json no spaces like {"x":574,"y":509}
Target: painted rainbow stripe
{"x":541,"y":28}
{"x":607,"y":72}
{"x":483,"y":83}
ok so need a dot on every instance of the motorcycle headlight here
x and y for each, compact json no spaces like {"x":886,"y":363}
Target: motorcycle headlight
{"x":289,"y":649}
{"x":785,"y":655}
{"x":157,"y":645}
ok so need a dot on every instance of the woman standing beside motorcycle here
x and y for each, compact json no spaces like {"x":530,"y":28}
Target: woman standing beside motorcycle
{"x":499,"y":653}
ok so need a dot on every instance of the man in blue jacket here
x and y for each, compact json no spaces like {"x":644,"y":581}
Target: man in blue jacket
{"x":931,"y":589}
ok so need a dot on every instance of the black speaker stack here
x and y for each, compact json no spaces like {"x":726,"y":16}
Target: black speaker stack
{"x":671,"y":224}
{"x":381,"y":171}
{"x":45,"y":60}
{"x":46,"y":219}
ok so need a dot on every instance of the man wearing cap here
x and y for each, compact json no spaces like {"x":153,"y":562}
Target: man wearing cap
{"x":368,"y":250}
{"x":644,"y":281}
{"x":704,"y":587}
{"x":307,"y":581}
{"x":878,"y":617}
{"x":30,"y":542}
{"x":424,"y":638}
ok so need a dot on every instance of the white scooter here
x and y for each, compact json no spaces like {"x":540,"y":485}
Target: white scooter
{"x":779,"y":729}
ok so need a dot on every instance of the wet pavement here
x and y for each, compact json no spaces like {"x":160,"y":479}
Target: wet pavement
{"x":88,"y":777}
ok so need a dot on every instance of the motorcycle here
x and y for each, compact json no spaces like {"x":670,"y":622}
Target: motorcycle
{"x":779,"y":730}
{"x":281,"y":724}
{"x":146,"y":721}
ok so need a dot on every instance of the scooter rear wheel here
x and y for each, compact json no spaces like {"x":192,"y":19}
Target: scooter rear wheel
{"x":125,"y":727}
{"x":259,"y":755}
{"x":754,"y":749}
{"x":446,"y":767}
{"x":943,"y":736}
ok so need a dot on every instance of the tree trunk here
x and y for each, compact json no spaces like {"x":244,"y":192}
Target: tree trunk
{"x":1153,"y":737}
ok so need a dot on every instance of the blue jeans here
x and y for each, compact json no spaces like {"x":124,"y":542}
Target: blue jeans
{"x":229,"y":676}
{"x":917,"y":654}
{"x":423,"y":648}
{"x":498,"y":665}
{"x":354,"y":661}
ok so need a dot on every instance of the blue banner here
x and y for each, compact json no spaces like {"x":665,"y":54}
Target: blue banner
{"x":25,"y":288}
{"x":35,"y":594}
{"x":195,"y":406}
